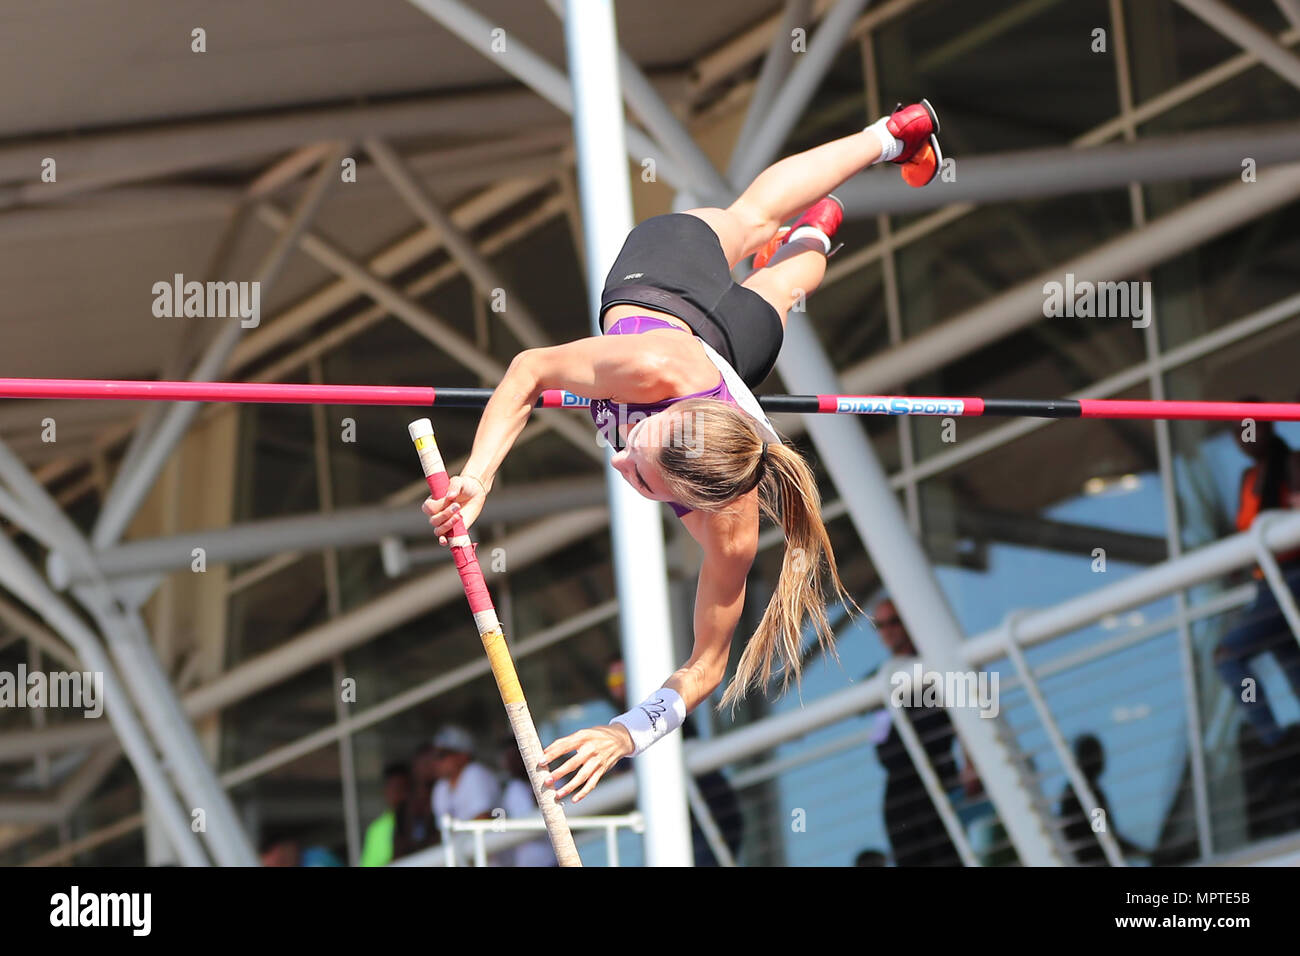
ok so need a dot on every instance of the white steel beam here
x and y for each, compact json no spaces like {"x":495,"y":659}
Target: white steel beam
{"x":473,"y":263}
{"x":666,"y":128}
{"x":53,"y":808}
{"x":24,"y":582}
{"x":316,"y":531}
{"x":734,"y":55}
{"x":776,"y":67}
{"x":1060,"y":171}
{"x":138,"y":154}
{"x":425,"y":691}
{"x":141,"y":673}
{"x":130,"y":488}
{"x":419,"y":318}
{"x":303,"y":314}
{"x":316,"y":645}
{"x":422,"y":692}
{"x":36,"y":632}
{"x":1291,"y":10}
{"x":285,"y":170}
{"x":385,"y":264}
{"x":1248,"y":36}
{"x":636,"y":524}
{"x":797,"y":92}
{"x":537,"y":73}
{"x":847,"y":264}
{"x":1022,"y":305}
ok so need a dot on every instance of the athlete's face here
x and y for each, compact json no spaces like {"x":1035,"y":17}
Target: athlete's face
{"x":638,"y":462}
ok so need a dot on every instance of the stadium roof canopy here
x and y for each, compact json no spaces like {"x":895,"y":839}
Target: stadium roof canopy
{"x":156,"y":146}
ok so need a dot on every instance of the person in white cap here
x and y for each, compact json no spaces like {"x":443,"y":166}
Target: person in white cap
{"x":465,"y":789}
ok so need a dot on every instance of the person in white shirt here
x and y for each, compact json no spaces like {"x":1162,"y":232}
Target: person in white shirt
{"x":465,"y":789}
{"x":519,"y":803}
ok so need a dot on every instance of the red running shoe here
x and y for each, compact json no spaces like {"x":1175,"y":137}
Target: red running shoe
{"x":917,"y":126}
{"x":825,"y":215}
{"x":764,"y":255}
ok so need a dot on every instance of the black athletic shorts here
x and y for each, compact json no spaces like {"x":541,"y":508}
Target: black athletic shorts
{"x":675,"y":264}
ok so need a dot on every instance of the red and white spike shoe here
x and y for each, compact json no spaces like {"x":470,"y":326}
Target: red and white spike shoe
{"x":764,"y":255}
{"x":917,"y":127}
{"x":825,"y":216}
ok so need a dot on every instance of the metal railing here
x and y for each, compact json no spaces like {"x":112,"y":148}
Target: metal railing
{"x":478,"y":829}
{"x":1031,"y":628}
{"x":1276,"y":532}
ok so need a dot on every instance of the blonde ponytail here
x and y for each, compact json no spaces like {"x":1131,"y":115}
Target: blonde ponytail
{"x":724,"y":459}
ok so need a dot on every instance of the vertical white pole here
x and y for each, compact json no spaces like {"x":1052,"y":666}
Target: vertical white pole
{"x":635,"y":522}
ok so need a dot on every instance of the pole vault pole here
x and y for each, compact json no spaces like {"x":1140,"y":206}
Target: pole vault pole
{"x":425,"y":397}
{"x":494,"y":642}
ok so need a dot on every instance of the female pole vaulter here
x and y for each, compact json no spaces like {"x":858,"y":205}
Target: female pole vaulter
{"x":683,"y":345}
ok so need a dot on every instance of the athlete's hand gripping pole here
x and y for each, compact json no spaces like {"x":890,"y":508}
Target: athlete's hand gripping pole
{"x":494,"y":642}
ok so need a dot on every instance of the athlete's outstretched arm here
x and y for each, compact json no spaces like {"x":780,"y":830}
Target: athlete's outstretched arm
{"x":616,"y":366}
{"x":730,"y":542}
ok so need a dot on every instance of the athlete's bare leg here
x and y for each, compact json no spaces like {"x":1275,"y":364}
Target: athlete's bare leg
{"x":785,"y":188}
{"x":792,"y":275}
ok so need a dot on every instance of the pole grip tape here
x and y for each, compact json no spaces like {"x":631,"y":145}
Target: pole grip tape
{"x":432,"y":464}
{"x":462,"y":549}
{"x":503,"y":666}
{"x":530,"y":748}
{"x":498,"y":652}
{"x":471,"y":575}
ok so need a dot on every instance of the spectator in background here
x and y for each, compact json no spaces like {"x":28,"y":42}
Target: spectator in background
{"x":465,"y":789}
{"x":279,"y":849}
{"x":377,"y":850}
{"x":282,"y":848}
{"x":418,"y":830}
{"x":916,"y":831}
{"x":1078,"y":832}
{"x":319,"y":856}
{"x":1273,"y":481}
{"x":518,"y":802}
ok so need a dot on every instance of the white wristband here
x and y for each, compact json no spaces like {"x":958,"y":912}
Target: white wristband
{"x":659,"y":714}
